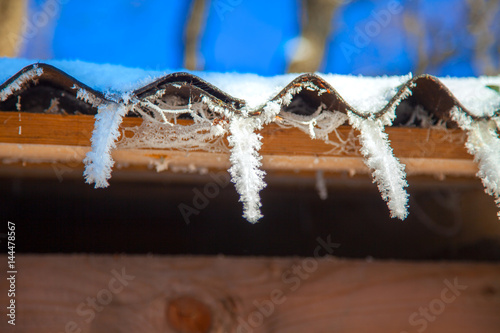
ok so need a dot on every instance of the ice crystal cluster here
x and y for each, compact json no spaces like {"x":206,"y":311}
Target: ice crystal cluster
{"x":16,"y":84}
{"x":98,"y":161}
{"x":484,"y":144}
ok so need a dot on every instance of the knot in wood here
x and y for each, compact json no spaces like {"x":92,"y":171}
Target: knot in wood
{"x":186,"y":314}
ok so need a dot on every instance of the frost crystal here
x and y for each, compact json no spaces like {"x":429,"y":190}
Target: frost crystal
{"x":160,"y":129}
{"x":18,"y":83}
{"x":484,"y":144}
{"x":84,"y":95}
{"x":388,"y":172}
{"x":319,"y":125}
{"x":245,"y":161}
{"x":99,"y":161}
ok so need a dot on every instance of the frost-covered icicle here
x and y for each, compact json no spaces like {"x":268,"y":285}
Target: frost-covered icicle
{"x":484,"y":144}
{"x":245,"y":161}
{"x":388,"y":172}
{"x":99,"y":161}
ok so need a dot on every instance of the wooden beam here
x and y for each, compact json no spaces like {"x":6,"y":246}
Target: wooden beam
{"x":85,"y":293}
{"x":32,"y":138}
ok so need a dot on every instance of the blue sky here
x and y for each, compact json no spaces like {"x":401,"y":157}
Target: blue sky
{"x":255,"y":36}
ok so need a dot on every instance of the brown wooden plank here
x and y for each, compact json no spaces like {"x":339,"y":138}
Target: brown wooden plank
{"x":36,"y":138}
{"x":217,"y":294}
{"x":23,"y":127}
{"x":162,"y":160}
{"x":71,"y":130}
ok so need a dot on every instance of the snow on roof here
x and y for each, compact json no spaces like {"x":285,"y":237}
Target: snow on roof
{"x":364,"y":94}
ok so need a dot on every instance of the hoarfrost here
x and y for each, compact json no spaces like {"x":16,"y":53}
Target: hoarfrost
{"x":484,"y":144}
{"x":18,"y":83}
{"x":388,"y":172}
{"x":319,"y":125}
{"x":245,"y":161}
{"x":160,"y":128}
{"x":85,"y":96}
{"x":98,"y":162}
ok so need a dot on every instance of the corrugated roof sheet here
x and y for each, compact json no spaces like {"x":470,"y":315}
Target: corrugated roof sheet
{"x":37,"y":89}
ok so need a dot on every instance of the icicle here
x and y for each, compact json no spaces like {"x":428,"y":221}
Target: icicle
{"x":99,"y":161}
{"x":245,"y":161}
{"x":321,"y":185}
{"x":388,"y":172}
{"x":484,"y":144}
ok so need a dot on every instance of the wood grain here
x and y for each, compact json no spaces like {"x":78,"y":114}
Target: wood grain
{"x":321,"y":294}
{"x":43,"y":137}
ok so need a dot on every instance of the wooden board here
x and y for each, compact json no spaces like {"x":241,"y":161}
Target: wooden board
{"x":35,"y":138}
{"x":217,"y":294}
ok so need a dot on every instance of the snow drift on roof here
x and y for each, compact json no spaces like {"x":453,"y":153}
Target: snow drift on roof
{"x":355,"y":93}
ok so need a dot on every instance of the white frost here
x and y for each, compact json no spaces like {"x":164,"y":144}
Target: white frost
{"x":366,"y":94}
{"x":318,"y":125}
{"x":388,"y":172}
{"x":98,"y":162}
{"x":474,"y":94}
{"x":18,"y":83}
{"x":245,"y":161}
{"x":85,"y":96}
{"x":484,"y":144}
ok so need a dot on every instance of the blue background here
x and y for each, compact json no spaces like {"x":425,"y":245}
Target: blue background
{"x":254,"y":36}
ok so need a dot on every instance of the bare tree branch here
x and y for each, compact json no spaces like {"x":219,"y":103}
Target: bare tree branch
{"x":193,"y":30}
{"x":316,"y":26}
{"x":481,"y":16}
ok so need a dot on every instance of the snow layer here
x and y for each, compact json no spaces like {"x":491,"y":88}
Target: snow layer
{"x":102,"y":77}
{"x":474,"y":93}
{"x":366,"y":94}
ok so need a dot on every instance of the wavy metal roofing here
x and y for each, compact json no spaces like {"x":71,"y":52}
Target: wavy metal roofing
{"x":38,"y":88}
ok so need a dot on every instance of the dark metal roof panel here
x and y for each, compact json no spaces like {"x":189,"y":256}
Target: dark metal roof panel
{"x":38,"y":92}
